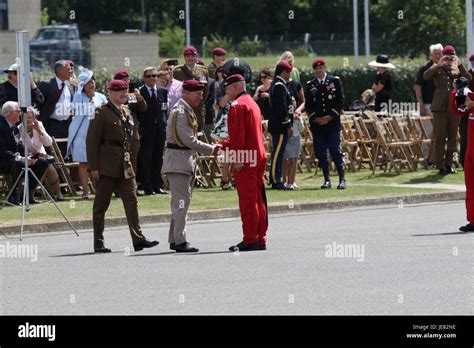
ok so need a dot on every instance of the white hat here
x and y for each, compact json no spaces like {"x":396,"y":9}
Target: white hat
{"x":381,"y":62}
{"x":13,"y":67}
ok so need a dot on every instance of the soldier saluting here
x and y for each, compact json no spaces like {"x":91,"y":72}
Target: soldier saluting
{"x":109,"y":155}
{"x":324,"y":98}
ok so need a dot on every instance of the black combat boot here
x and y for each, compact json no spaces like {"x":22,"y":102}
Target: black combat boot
{"x":342,"y":179}
{"x":327,"y":180}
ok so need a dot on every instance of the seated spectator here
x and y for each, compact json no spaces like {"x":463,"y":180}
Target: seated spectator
{"x":9,"y":89}
{"x":367,"y":101}
{"x":12,"y":152}
{"x":36,"y":139}
{"x":85,"y":101}
{"x":262,"y":96}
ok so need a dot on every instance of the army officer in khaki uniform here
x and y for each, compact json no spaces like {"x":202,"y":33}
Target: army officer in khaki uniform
{"x":109,"y":154}
{"x":194,"y":71}
{"x":445,"y":124}
{"x":179,"y":163}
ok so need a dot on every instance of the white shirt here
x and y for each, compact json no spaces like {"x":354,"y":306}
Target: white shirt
{"x":324,"y":78}
{"x":62,"y":111}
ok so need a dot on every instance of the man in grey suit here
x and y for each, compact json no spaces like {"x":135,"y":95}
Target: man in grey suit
{"x":179,"y":163}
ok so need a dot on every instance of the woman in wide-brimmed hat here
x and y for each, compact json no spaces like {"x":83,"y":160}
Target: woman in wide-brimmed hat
{"x":383,"y":81}
{"x":85,"y":101}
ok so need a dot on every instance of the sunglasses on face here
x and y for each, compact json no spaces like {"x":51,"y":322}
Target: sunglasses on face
{"x":153,"y":75}
{"x":14,"y":72}
{"x":263,"y":77}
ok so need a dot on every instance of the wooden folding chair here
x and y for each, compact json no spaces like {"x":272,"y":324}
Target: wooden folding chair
{"x":390,"y":147}
{"x":349,"y":142}
{"x":62,"y":167}
{"x":410,"y":147}
{"x":366,"y":143}
{"x":307,"y":156}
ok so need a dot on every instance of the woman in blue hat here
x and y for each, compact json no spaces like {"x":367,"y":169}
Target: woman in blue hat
{"x":85,"y":101}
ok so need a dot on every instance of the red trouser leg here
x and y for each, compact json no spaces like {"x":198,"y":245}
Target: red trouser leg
{"x":469,"y":172}
{"x":261,"y":204}
{"x":247,"y":189}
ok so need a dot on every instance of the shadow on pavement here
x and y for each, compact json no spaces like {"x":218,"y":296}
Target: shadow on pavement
{"x":86,"y":254}
{"x":440,"y":234}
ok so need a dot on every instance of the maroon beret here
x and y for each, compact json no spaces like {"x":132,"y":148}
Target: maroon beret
{"x":117,"y":85}
{"x":190,"y":50}
{"x":318,"y":62}
{"x":193,"y":85}
{"x":121,"y":74}
{"x":449,"y":50}
{"x":219,"y":51}
{"x":471,"y":58}
{"x":285,"y":65}
{"x":232,"y":79}
{"x":200,"y":62}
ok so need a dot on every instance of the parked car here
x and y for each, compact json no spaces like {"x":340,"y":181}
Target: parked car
{"x":54,"y":42}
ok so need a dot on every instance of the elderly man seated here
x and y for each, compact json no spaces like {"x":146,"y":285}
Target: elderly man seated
{"x":12,"y":152}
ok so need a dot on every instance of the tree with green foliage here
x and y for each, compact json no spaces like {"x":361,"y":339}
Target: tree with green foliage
{"x":412,"y":26}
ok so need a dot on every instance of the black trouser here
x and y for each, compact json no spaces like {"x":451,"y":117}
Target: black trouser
{"x":463,"y":140}
{"x":38,"y":168}
{"x":152,"y":145}
{"x":59,"y":130}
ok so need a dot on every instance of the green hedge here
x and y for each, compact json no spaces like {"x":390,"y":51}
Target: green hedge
{"x":357,"y":80}
{"x":354,"y":80}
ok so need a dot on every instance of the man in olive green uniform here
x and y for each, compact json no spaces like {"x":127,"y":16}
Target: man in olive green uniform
{"x":219,"y":56}
{"x":136,"y":103}
{"x":108,"y":152}
{"x":193,"y":71}
{"x":445,"y":124}
{"x":179,"y":163}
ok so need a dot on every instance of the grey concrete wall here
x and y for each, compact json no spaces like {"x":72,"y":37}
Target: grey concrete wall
{"x":7,"y":48}
{"x":24,"y":15}
{"x":124,"y":50}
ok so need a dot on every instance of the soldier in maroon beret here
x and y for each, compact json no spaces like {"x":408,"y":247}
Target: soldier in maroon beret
{"x":219,"y":56}
{"x":191,"y":70}
{"x":109,"y":157}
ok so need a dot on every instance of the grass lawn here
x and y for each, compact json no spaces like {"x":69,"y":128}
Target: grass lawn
{"x":360,"y":184}
{"x":333,"y":62}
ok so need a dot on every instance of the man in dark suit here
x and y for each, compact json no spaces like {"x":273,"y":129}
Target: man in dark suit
{"x":12,"y":152}
{"x":152,"y":133}
{"x":55,"y":112}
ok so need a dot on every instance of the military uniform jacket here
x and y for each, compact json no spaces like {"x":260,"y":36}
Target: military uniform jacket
{"x":444,"y":81}
{"x":281,"y":115}
{"x":200,"y":73}
{"x":105,"y":141}
{"x":325,"y":99}
{"x":181,"y":130}
{"x":135,"y":108}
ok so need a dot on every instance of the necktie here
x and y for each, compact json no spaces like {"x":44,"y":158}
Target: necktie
{"x":154,"y":100}
{"x":58,"y":95}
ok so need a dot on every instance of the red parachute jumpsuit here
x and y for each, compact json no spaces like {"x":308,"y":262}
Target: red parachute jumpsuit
{"x":245,"y":137}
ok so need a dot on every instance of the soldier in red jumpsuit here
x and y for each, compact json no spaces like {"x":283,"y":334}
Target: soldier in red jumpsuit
{"x":467,"y":109}
{"x":245,"y":143}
